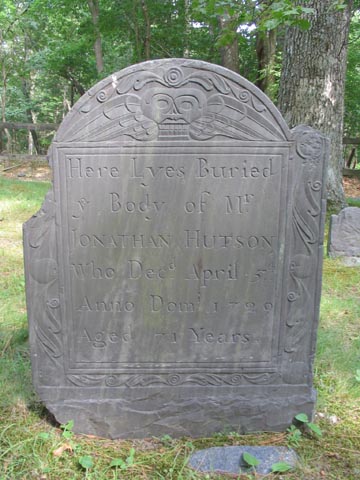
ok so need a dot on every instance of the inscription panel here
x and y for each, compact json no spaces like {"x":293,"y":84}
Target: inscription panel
{"x":172,"y":259}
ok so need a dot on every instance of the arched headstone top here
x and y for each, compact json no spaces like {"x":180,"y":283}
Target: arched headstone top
{"x":173,"y":100}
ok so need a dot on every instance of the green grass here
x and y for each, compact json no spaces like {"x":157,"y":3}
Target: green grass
{"x":33,"y":447}
{"x":18,"y":201}
{"x":353,"y":202}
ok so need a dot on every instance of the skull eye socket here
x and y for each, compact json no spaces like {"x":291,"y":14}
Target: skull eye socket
{"x":162,"y":103}
{"x":185,"y":104}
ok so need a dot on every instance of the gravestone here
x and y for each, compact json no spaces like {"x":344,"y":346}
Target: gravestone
{"x":344,"y":235}
{"x":173,"y":271}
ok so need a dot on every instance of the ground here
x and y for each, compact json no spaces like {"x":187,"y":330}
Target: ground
{"x":40,"y":171}
{"x":352,"y":186}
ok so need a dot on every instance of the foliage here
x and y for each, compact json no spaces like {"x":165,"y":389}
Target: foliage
{"x":86,"y":461}
{"x":285,"y":12}
{"x":250,"y":460}
{"x":280,"y":467}
{"x":294,"y":436}
{"x":352,"y":87}
{"x":124,"y":464}
{"x":67,"y":429}
{"x":48,"y":60}
{"x":304,"y":420}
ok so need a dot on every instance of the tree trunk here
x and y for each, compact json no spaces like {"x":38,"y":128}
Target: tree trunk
{"x":187,"y":28}
{"x":75,"y":85}
{"x":94,"y":9}
{"x":265,"y":51}
{"x":147,"y":40}
{"x":30,"y":144}
{"x":30,"y":116}
{"x":67,"y":105}
{"x":3,"y":100}
{"x":72,"y":95}
{"x":313,"y":80}
{"x":135,"y":24}
{"x":229,"y":53}
{"x":3,"y":110}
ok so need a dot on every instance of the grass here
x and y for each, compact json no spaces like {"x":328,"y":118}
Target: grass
{"x":33,"y":447}
{"x":353,"y":202}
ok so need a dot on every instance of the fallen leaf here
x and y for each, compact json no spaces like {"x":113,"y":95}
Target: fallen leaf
{"x":65,"y":447}
{"x":333,"y":455}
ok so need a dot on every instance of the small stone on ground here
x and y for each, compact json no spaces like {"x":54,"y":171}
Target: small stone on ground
{"x":229,"y":460}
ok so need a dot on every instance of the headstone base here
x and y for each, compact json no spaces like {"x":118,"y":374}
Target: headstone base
{"x":186,"y":412}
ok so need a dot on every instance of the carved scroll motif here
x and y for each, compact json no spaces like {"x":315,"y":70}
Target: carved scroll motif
{"x":305,"y":258}
{"x":174,"y":379}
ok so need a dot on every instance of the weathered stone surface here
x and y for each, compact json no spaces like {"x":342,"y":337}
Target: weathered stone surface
{"x":344,"y":234}
{"x":173,"y":272}
{"x":229,"y":460}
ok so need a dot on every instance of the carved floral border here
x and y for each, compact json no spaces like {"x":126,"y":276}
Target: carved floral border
{"x":304,"y":275}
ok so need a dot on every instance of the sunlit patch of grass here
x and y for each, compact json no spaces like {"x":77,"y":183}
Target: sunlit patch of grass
{"x":338,"y":348}
{"x":353,"y":202}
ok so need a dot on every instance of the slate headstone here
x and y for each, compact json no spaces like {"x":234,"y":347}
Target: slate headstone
{"x":173,"y":271}
{"x":344,"y":234}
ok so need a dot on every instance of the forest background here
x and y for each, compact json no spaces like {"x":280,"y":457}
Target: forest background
{"x":298,"y":51}
{"x":52,"y":51}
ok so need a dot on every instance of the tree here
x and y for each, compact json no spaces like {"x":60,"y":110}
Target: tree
{"x":352,"y":86}
{"x":229,"y":50}
{"x":94,"y":9}
{"x":9,"y":60}
{"x":313,"y":80}
{"x":237,"y":23}
{"x":266,"y":51}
